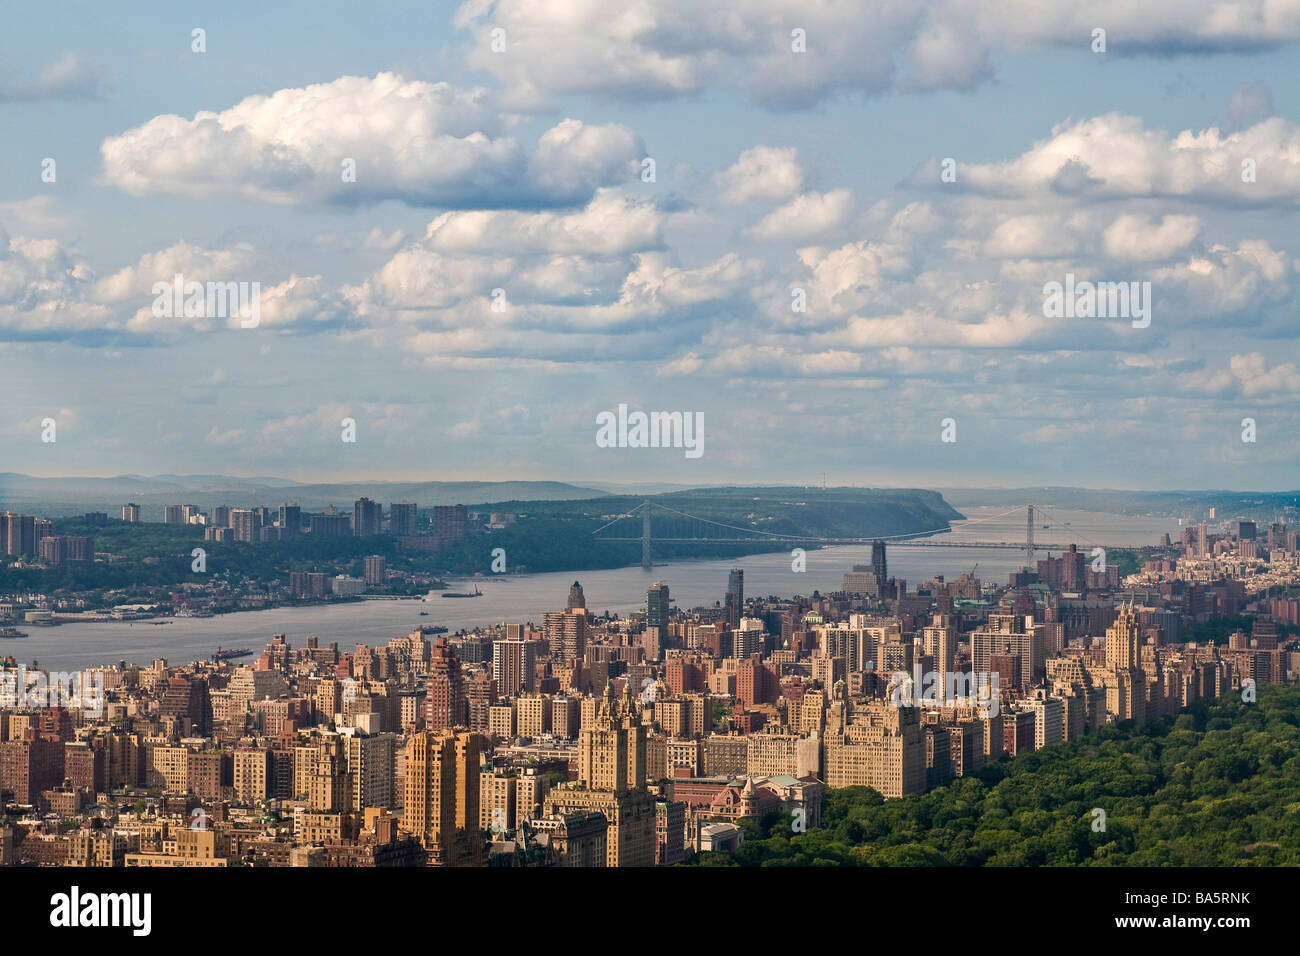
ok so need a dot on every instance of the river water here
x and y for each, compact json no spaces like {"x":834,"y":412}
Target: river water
{"x":525,"y":597}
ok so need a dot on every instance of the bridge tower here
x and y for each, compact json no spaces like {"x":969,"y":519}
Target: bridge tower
{"x":646,"y":563}
{"x":1029,"y":541}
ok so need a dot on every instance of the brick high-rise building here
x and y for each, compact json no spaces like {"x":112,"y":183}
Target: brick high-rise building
{"x":86,"y":766}
{"x":450,"y":523}
{"x":480,"y":695}
{"x":566,"y":633}
{"x":187,"y":698}
{"x":205,"y":774}
{"x":376,"y":569}
{"x":756,"y":683}
{"x":30,"y":765}
{"x":444,"y":700}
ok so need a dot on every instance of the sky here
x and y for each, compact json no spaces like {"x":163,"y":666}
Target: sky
{"x":655,"y":187}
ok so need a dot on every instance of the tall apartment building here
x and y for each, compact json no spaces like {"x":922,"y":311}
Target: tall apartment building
{"x":1123,"y":676}
{"x":533,"y":715}
{"x":450,"y":523}
{"x":18,"y":534}
{"x":328,"y":784}
{"x":441,"y":805}
{"x":883,"y":747}
{"x":186,"y":701}
{"x":480,"y":695}
{"x":734,"y":599}
{"x":63,"y":549}
{"x":879,"y":566}
{"x":289,"y":520}
{"x":331,"y":525}
{"x":861,"y":581}
{"x":514,"y":666}
{"x":657,"y":603}
{"x":376,"y":569}
{"x":367,"y":517}
{"x":445,"y":698}
{"x":401,"y":518}
{"x":611,"y":781}
{"x":30,"y":765}
{"x":169,"y":769}
{"x":565,"y":717}
{"x":246,"y":524}
{"x":1011,"y":634}
{"x":252,"y":775}
{"x":566,"y":633}
{"x":131,"y":513}
{"x":939,"y":642}
{"x":371,"y":759}
{"x":497,"y":794}
{"x":1049,"y":719}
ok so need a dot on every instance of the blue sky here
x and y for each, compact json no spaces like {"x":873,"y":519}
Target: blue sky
{"x":521,"y":170}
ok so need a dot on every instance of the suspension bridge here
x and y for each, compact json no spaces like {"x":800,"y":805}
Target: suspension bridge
{"x":680,"y":527}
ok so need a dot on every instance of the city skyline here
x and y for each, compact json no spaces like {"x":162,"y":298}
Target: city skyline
{"x":379,"y":187}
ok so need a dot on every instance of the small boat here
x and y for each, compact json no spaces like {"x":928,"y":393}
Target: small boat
{"x":11,"y":633}
{"x":424,"y":614}
{"x":463,"y":594}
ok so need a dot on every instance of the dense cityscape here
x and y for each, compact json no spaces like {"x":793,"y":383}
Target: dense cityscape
{"x":580,"y":738}
{"x":854,"y":442}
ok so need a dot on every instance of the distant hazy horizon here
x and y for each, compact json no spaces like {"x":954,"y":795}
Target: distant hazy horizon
{"x":630,"y":488}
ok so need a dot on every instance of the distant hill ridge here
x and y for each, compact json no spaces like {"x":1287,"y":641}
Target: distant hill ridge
{"x":64,"y":496}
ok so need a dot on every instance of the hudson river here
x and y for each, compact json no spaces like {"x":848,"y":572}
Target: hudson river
{"x":525,"y":597}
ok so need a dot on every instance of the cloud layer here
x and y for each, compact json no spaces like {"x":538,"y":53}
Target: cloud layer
{"x":791,"y":55}
{"x":367,"y":139}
